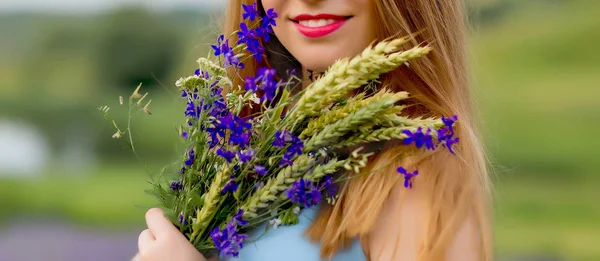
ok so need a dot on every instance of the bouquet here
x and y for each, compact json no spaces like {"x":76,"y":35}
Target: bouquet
{"x":262,"y":152}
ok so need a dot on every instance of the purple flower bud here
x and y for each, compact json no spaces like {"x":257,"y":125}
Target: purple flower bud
{"x":408,"y":176}
{"x":250,"y":12}
{"x":182,"y":220}
{"x":419,"y":138}
{"x":446,"y":133}
{"x":238,"y":218}
{"x":261,"y":170}
{"x":191,"y":158}
{"x":228,"y":241}
{"x":176,"y":186}
{"x":296,"y":145}
{"x":227,"y":155}
{"x":304,"y":193}
{"x":231,"y":186}
{"x":247,"y":155}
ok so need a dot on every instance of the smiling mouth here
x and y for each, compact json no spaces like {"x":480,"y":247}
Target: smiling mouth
{"x":314,"y":26}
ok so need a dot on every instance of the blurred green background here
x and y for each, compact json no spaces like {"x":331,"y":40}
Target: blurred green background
{"x":536,"y":74}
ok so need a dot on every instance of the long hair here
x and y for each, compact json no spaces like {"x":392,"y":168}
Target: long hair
{"x":455,"y":187}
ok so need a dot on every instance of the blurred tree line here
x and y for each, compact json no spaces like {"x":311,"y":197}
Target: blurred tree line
{"x":59,"y":68}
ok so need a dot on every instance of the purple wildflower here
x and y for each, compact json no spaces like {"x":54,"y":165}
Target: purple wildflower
{"x":240,"y":138}
{"x":245,"y":34}
{"x":227,"y":155}
{"x":191,"y":158}
{"x":261,"y":170}
{"x":266,"y":24}
{"x":182,"y":219}
{"x":238,"y":218}
{"x":408,"y":176}
{"x":267,"y":83}
{"x":240,"y":130}
{"x":231,"y":59}
{"x":270,"y":17}
{"x":282,"y":139}
{"x":265,"y":28}
{"x":449,"y":122}
{"x":184,"y":94}
{"x":217,"y":48}
{"x":192,"y":110}
{"x":419,"y":138}
{"x":222,"y":48}
{"x":176,"y":186}
{"x":250,"y":84}
{"x":185,"y":134}
{"x":446,"y":133}
{"x":227,"y":241}
{"x":304,"y":193}
{"x":231,"y":186}
{"x":286,"y":160}
{"x":256,"y":48}
{"x":329,"y":186}
{"x":249,"y":36}
{"x":218,"y":108}
{"x":296,"y":145}
{"x":250,"y":12}
{"x":247,"y":155}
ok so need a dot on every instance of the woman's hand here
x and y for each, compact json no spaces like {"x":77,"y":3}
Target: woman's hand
{"x":162,"y":241}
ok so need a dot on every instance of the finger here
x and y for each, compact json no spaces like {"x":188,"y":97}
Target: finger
{"x":145,"y":240}
{"x":159,"y":224}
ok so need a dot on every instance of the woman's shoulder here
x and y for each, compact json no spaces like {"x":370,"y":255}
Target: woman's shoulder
{"x":289,"y":243}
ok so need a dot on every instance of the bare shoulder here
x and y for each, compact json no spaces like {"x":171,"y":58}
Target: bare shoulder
{"x":401,"y":227}
{"x":466,"y":244}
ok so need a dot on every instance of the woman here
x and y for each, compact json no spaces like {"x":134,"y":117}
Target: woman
{"x":445,"y":216}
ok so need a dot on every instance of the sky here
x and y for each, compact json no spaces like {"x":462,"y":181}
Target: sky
{"x":96,"y":5}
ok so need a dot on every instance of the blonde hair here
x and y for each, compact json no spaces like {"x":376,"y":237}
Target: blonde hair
{"x":455,"y":186}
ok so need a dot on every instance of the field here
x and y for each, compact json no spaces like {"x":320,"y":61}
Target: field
{"x":538,"y":85}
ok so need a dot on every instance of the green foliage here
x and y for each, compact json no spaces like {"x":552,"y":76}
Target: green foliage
{"x":133,"y":47}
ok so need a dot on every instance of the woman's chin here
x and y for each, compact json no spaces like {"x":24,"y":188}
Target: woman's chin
{"x":321,"y":58}
{"x":320,"y":65}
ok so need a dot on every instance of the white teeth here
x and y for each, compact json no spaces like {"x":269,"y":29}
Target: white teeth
{"x":316,"y":23}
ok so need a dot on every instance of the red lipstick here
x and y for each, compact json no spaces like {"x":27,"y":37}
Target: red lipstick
{"x":315,"y":31}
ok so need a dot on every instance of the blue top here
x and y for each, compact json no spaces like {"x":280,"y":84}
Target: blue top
{"x":289,"y":243}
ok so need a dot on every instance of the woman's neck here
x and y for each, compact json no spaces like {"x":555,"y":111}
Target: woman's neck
{"x":310,"y":76}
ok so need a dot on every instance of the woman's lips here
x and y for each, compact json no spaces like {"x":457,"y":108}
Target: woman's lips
{"x":314,"y":26}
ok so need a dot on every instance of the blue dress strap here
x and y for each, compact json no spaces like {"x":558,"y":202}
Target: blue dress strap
{"x":289,"y":243}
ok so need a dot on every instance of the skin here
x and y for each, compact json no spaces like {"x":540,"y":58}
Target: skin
{"x":398,"y":230}
{"x":162,"y":240}
{"x":319,"y":53}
